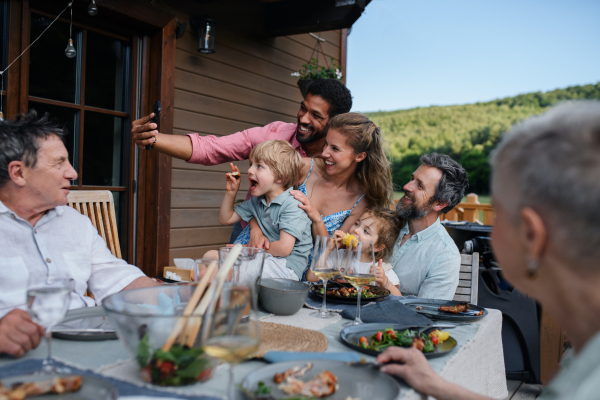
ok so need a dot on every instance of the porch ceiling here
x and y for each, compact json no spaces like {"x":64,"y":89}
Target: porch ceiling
{"x":290,"y":17}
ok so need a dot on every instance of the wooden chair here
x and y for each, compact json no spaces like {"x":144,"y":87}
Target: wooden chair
{"x":99,"y":207}
{"x":467,"y":289}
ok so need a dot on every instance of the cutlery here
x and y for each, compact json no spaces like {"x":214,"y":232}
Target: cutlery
{"x":437,"y":326}
{"x":85,"y":330}
{"x":365,"y":363}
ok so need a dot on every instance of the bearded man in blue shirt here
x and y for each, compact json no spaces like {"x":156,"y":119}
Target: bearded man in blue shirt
{"x":425,"y":258}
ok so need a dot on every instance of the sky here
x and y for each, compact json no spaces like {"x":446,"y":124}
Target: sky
{"x":416,"y":53}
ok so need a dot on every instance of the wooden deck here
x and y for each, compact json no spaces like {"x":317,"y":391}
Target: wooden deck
{"x":518,"y":390}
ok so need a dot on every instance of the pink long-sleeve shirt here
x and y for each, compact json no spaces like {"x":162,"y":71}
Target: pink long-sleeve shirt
{"x":213,"y":150}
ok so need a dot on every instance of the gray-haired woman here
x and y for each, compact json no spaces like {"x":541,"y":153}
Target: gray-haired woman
{"x":546,"y":193}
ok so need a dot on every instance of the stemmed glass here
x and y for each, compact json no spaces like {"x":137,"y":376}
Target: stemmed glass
{"x":48,"y":298}
{"x":226,"y":334}
{"x":325,"y":266}
{"x":357,"y":264}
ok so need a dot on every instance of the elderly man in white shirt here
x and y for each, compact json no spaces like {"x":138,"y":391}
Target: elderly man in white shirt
{"x":39,"y":234}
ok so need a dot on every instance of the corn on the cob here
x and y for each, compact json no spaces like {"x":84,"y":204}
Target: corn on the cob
{"x":349,"y":239}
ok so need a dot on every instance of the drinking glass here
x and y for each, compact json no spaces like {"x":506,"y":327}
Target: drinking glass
{"x":247,"y":270}
{"x":325,"y":265}
{"x":227,"y":335}
{"x":48,"y":298}
{"x":200,"y":266}
{"x":357,"y":264}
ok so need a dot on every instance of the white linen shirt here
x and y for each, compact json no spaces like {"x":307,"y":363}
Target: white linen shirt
{"x":427,"y":264}
{"x":64,"y":241}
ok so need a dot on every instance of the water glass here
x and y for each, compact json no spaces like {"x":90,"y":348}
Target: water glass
{"x":246,"y":270}
{"x":48,"y":298}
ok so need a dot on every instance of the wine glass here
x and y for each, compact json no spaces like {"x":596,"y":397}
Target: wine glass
{"x":325,"y":266}
{"x":357,"y":264}
{"x":227,"y":335}
{"x":48,"y":298}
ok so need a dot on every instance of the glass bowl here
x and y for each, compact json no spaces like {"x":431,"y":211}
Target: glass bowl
{"x":145,"y":319}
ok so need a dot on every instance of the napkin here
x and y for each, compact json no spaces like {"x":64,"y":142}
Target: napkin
{"x":185,"y":263}
{"x":281,"y":356}
{"x":393,"y":312}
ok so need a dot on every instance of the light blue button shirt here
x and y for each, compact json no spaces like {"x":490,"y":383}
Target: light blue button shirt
{"x":428,"y":263}
{"x":580,"y":378}
{"x":284,"y":214}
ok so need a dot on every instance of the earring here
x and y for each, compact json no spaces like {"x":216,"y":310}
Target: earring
{"x":532,"y":268}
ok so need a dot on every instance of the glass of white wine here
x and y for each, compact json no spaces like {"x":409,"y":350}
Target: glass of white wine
{"x":48,"y":298}
{"x":325,"y":265}
{"x":357,"y":264}
{"x":227,"y":335}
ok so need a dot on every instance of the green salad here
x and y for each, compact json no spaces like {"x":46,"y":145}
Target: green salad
{"x":390,"y":337}
{"x":181,"y":365}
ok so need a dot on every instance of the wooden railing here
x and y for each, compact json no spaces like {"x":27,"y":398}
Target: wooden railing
{"x":472,"y":211}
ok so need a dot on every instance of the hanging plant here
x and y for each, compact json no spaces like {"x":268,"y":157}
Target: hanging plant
{"x":312,"y":71}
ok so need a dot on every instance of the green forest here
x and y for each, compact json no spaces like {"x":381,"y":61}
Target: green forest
{"x":468,"y":133}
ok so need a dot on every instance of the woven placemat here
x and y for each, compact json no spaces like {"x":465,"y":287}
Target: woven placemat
{"x":278,"y":337}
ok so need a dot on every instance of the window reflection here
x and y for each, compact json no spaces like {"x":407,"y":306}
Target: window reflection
{"x":52,"y":75}
{"x":102,"y":150}
{"x":106,"y":70}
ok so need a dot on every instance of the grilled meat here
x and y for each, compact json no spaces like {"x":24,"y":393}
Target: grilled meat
{"x":455,"y":309}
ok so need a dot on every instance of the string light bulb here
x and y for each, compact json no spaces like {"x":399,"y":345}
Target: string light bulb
{"x":93,"y":8}
{"x":70,"y":50}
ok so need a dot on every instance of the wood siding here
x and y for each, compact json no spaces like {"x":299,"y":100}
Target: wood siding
{"x":246,"y":83}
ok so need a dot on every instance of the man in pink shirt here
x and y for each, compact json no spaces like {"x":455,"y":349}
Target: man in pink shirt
{"x":326,"y":98}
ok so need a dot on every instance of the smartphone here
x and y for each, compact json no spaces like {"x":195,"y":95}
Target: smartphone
{"x":155,"y":119}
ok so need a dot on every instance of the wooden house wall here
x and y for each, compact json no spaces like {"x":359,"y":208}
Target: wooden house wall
{"x":246,"y":83}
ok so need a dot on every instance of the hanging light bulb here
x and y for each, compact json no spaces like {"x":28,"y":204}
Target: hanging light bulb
{"x":93,"y":8}
{"x":70,"y":50}
{"x":1,"y":116}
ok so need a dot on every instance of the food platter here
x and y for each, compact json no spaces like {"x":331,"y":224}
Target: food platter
{"x":85,"y":324}
{"x":358,"y":382}
{"x":428,"y":308}
{"x":350,"y":337}
{"x":92,"y":388}
{"x":380,"y":293}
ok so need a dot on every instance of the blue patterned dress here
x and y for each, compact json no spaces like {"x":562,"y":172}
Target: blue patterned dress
{"x":332,"y":222}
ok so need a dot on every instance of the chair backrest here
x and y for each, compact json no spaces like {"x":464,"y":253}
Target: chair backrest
{"x":99,"y":206}
{"x":468,"y":283}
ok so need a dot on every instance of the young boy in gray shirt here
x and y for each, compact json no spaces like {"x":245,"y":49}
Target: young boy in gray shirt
{"x":275,"y":167}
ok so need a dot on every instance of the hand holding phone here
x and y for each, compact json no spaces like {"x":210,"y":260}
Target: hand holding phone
{"x":156,"y":110}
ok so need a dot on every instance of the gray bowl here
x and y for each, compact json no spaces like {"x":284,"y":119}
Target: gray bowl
{"x":282,"y":296}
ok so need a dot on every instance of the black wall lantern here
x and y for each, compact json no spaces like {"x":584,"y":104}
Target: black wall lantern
{"x":206,"y":28}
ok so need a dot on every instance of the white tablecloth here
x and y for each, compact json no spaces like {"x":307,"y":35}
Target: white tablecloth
{"x":477,"y":363}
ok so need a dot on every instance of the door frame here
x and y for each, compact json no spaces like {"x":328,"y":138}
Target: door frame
{"x":157,"y":31}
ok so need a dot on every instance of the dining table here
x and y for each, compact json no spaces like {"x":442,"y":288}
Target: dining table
{"x":476,"y":362}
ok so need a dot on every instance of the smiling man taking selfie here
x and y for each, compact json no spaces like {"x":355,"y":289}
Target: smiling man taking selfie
{"x":326,"y":98}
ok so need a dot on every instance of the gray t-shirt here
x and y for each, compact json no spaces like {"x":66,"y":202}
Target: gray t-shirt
{"x":284,"y":214}
{"x":427,"y":264}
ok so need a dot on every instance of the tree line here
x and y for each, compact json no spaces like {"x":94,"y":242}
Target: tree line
{"x":468,"y":133}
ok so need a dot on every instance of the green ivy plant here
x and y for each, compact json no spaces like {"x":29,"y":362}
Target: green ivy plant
{"x":312,"y":70}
